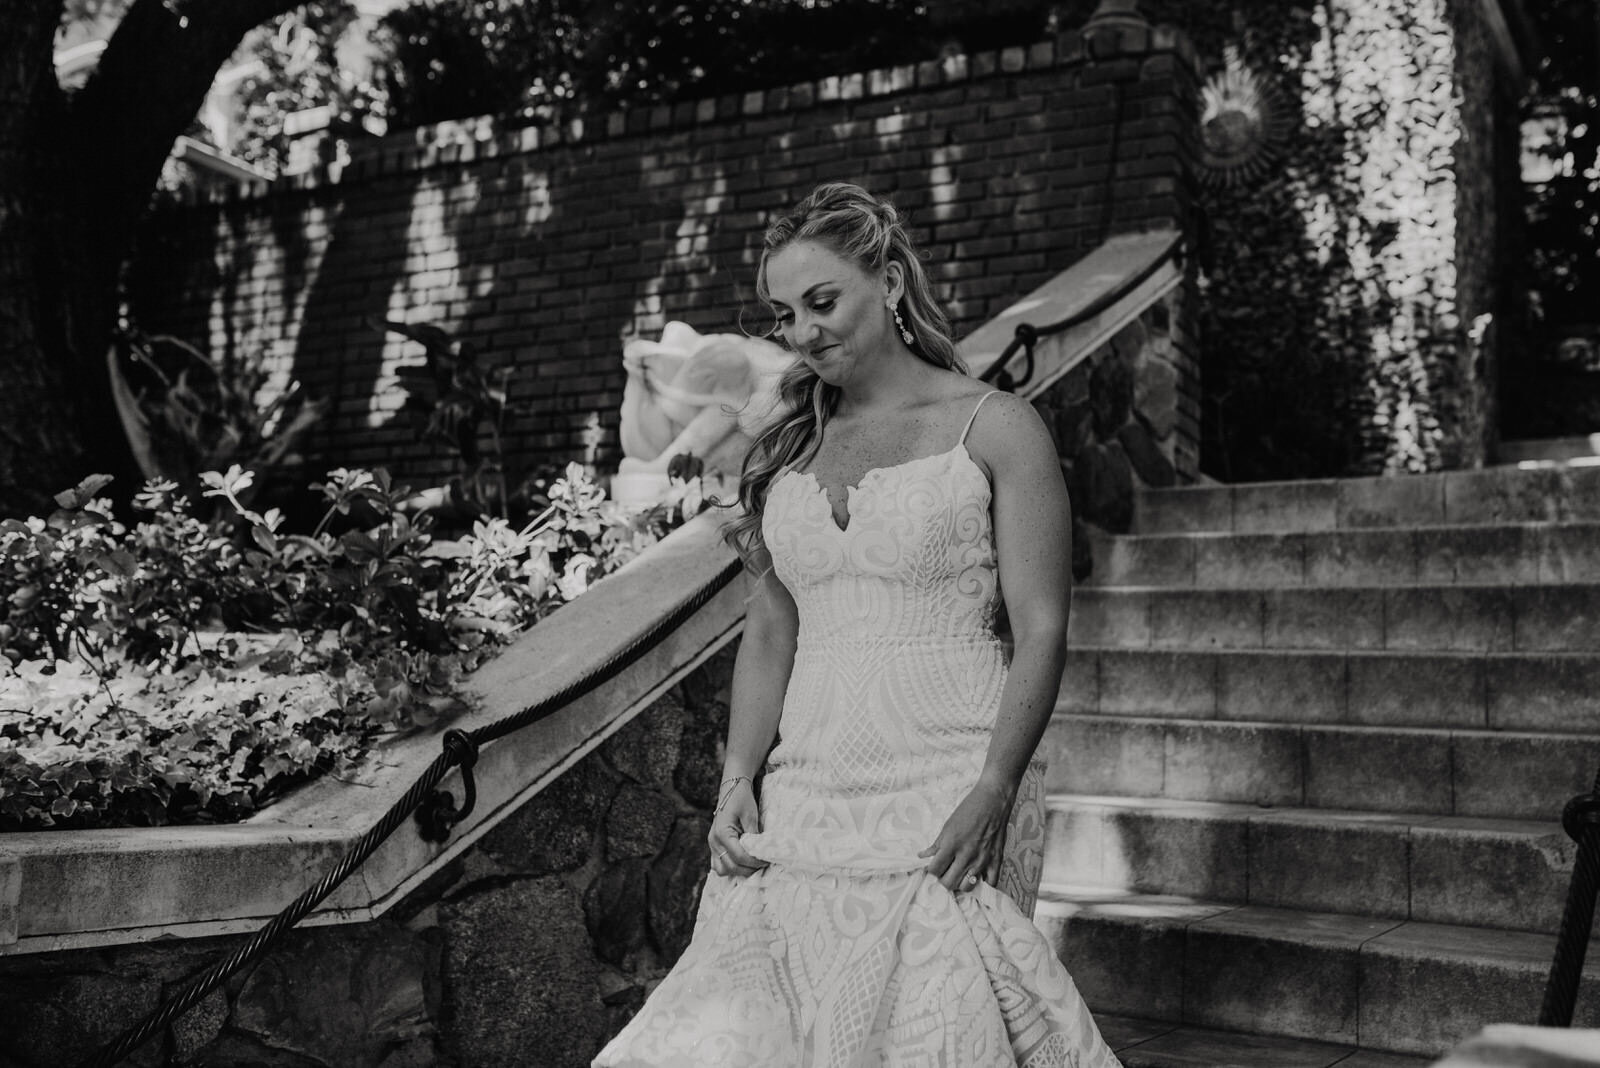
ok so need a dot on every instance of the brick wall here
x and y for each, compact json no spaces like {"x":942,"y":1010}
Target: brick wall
{"x":547,"y":247}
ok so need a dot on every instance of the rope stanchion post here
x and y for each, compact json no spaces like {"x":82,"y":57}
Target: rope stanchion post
{"x":1581,"y":820}
{"x":1027,"y":335}
{"x":438,"y":813}
{"x":435,"y":810}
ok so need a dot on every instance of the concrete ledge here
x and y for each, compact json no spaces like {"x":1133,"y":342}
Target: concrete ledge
{"x":71,"y":889}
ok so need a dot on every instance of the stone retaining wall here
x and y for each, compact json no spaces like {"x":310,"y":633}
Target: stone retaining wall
{"x":1115,"y":419}
{"x":529,"y":950}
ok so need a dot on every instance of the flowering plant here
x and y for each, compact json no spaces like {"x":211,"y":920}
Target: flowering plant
{"x":178,"y":670}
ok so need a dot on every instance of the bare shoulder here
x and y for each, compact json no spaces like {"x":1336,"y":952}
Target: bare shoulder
{"x":1003,"y":409}
{"x":1008,"y":431}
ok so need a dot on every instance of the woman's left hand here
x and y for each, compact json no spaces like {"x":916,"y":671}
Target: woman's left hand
{"x":973,"y":840}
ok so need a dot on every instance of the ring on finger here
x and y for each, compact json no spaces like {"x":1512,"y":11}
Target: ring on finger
{"x":969,"y":881}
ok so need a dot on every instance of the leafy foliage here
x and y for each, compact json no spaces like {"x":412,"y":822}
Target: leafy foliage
{"x":185,"y":413}
{"x":447,"y":59}
{"x":295,"y":66}
{"x":457,"y":58}
{"x":179,"y":670}
{"x":1555,"y":390}
{"x":1564,"y":212}
{"x":453,"y":399}
{"x":1331,"y":332}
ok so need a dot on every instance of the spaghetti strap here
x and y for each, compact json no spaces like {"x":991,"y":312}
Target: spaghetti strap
{"x":973,"y":418}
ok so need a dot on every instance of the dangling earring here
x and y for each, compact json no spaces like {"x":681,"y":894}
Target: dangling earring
{"x":900,"y":324}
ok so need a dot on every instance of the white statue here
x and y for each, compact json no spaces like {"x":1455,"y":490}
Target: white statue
{"x":691,"y":393}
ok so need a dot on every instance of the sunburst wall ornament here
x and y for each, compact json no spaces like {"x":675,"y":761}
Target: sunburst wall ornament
{"x":1243,"y":121}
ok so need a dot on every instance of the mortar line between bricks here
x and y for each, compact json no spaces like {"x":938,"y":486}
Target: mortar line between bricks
{"x":1305,"y":766}
{"x":1516,"y":621}
{"x":1361,"y":972}
{"x":1167,"y":730}
{"x":1482,"y":665}
{"x":1099,"y":681}
{"x":1215,"y":661}
{"x":1249,"y":851}
{"x":1151,"y":1038}
{"x":1346,"y":711}
{"x":1452,"y":751}
{"x":1410,"y":842}
{"x":1383,"y":618}
{"x":1183,"y":973}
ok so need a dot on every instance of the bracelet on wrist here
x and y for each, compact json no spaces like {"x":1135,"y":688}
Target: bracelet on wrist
{"x":725,"y":791}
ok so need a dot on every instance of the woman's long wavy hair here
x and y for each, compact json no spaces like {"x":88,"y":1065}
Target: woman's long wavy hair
{"x":857,"y":226}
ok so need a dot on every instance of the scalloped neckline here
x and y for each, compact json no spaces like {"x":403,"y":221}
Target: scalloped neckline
{"x":851,"y":490}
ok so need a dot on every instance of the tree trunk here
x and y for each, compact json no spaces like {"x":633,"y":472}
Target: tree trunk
{"x":76,"y":176}
{"x":38,"y":420}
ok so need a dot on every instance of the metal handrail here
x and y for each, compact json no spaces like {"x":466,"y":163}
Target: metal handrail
{"x":1581,"y":820}
{"x":435,"y":809}
{"x":1027,"y":334}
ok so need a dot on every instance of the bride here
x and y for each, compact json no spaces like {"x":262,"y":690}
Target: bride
{"x":876,"y":847}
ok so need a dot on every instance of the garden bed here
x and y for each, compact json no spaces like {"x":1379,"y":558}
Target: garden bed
{"x":78,"y":888}
{"x":185,"y":671}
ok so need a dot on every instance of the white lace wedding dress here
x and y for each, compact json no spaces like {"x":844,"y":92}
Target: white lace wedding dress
{"x":844,"y":952}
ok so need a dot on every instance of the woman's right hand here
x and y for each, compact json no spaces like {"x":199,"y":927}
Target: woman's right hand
{"x":737,"y":815}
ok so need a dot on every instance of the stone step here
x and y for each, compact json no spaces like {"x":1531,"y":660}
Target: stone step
{"x":1143,"y":1043}
{"x":1382,"y":984}
{"x":1465,"y":618}
{"x":1493,"y":495}
{"x":1497,"y":691}
{"x":1523,"y":553}
{"x":1437,"y":771}
{"x":1509,"y":874}
{"x":1578,"y":449}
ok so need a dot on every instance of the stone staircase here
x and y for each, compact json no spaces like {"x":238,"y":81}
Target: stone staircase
{"x":1309,"y":760}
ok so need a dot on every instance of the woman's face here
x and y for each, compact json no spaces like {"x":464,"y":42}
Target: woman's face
{"x":831,"y":312}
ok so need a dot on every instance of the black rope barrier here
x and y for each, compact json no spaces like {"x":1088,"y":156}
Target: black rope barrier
{"x":1581,"y":820}
{"x":435,"y":810}
{"x":1027,"y":335}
